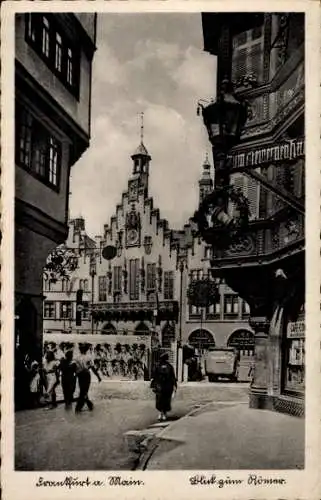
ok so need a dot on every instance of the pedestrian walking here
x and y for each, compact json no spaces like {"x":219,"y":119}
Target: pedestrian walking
{"x":84,"y":364}
{"x":163,"y":384}
{"x":35,"y":384}
{"x":68,"y":378}
{"x":51,"y":377}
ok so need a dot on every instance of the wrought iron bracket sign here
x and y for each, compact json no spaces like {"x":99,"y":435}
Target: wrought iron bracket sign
{"x":61,"y":263}
{"x":202,"y":293}
{"x":215,"y":225}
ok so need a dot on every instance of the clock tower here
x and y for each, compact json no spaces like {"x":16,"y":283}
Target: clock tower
{"x":141,"y":159}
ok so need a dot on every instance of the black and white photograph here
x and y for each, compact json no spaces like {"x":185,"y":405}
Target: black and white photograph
{"x":159,"y":271}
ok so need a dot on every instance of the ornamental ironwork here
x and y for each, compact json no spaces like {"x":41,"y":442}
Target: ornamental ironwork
{"x":202,"y":293}
{"x":61,"y":263}
{"x":214,"y":225}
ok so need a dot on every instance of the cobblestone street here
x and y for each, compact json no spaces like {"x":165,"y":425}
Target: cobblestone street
{"x":60,"y":440}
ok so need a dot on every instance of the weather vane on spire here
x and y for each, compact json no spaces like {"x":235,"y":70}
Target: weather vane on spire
{"x":142,"y":127}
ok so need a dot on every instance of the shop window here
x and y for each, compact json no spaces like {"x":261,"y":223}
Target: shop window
{"x":37,"y":149}
{"x":66,"y":310}
{"x":294,"y":369}
{"x":102,"y":288}
{"x":49,"y":310}
{"x":55,"y":49}
{"x":168,"y":285}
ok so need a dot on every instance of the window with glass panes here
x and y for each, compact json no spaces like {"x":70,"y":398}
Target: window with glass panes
{"x":55,"y":48}
{"x":197,"y":274}
{"x":214,"y":310}
{"x":151,"y":277}
{"x":86,"y":285}
{"x":45,"y":38}
{"x":134,"y":279}
{"x":194,"y":311}
{"x":36,"y":148}
{"x":168,"y":285}
{"x":66,"y":310}
{"x":231,"y":305}
{"x":117,"y":279}
{"x":102,"y":288}
{"x":49,"y":309}
{"x":245,"y":308}
{"x":248,"y":53}
{"x":85,"y":311}
{"x":64,"y":285}
{"x":58,"y":52}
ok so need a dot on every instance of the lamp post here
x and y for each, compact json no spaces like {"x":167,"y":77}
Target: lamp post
{"x":182,"y":265}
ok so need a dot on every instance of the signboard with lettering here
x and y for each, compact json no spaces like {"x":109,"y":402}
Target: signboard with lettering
{"x":288,"y":150}
{"x":296,"y":330}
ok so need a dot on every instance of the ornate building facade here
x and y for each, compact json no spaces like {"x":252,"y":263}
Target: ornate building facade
{"x":143,"y":289}
{"x":53,"y":59}
{"x":263,"y":56}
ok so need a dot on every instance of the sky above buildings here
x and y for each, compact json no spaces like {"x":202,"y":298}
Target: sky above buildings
{"x":153,"y":63}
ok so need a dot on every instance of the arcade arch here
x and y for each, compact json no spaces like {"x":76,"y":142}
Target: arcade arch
{"x":243,"y":340}
{"x":108,"y":329}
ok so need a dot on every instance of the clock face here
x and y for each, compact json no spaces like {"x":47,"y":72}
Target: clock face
{"x":132,"y":237}
{"x":133,"y":190}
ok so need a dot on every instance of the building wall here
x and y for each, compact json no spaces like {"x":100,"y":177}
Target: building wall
{"x":78,"y":109}
{"x":272,"y":144}
{"x":40,"y":203}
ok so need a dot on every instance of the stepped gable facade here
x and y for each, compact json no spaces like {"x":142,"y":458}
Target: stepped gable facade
{"x":144,"y":287}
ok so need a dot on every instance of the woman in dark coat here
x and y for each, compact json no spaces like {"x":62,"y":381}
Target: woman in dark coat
{"x":163,"y":384}
{"x":68,"y":378}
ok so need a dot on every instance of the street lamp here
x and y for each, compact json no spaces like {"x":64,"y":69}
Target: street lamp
{"x":182,"y":265}
{"x":224,"y":120}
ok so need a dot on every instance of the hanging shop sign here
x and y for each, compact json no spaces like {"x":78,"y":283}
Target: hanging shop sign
{"x":288,"y":150}
{"x":296,"y":330}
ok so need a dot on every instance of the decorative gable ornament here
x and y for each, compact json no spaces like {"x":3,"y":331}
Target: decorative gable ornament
{"x":132,"y":227}
{"x":148,"y":243}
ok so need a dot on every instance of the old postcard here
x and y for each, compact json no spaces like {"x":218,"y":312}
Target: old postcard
{"x":160,"y":252}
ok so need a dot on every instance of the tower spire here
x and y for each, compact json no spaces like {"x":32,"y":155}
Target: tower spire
{"x":142,"y":127}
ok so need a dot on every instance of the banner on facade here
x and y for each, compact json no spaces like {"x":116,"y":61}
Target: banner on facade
{"x":288,"y":150}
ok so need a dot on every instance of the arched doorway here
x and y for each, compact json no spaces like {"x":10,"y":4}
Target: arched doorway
{"x":168,"y":335}
{"x":243,"y":340}
{"x":142,"y":329}
{"x":108,"y":329}
{"x":201,"y":340}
